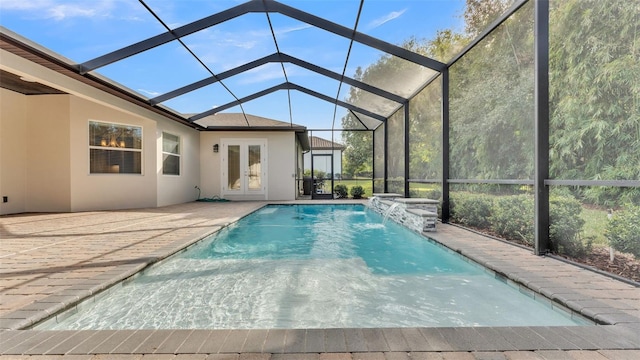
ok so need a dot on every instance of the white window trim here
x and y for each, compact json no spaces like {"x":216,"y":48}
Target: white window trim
{"x":179,"y":155}
{"x":114,"y":148}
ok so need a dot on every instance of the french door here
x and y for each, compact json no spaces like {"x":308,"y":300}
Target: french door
{"x":244,"y":166}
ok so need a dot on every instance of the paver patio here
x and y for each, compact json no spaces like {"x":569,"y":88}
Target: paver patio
{"x":49,"y":262}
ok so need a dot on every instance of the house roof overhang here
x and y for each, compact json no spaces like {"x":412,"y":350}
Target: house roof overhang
{"x":25,"y":49}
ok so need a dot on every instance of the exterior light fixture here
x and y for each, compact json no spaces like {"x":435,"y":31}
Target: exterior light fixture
{"x":216,"y":148}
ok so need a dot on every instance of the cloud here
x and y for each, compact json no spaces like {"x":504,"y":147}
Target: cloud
{"x":239,"y":43}
{"x":293,"y":29}
{"x":266,"y":33}
{"x":149,"y":92}
{"x":222,"y":49}
{"x":22,"y":5}
{"x":385,"y":19}
{"x":61,"y":10}
{"x":263,"y":73}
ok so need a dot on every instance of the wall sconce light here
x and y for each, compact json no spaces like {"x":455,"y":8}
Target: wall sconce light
{"x":215,"y":148}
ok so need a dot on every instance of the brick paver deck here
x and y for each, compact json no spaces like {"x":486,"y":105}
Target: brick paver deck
{"x":50,"y":262}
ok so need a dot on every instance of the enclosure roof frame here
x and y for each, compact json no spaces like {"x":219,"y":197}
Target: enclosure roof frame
{"x":266,"y":6}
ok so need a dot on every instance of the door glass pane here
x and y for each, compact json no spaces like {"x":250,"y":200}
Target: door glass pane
{"x":234,"y":167}
{"x":255,"y":168}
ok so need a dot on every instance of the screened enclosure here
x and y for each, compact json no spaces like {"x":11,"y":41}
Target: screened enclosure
{"x":521,"y":116}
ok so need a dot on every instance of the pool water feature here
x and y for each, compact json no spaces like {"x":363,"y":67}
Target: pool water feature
{"x":388,"y":212}
{"x":312,"y":266}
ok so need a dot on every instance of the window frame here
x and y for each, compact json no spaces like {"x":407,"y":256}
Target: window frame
{"x":178,"y":155}
{"x":115,"y":148}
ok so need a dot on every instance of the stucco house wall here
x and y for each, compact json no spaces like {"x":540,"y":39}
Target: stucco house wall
{"x":174,"y":189}
{"x":13,"y":152}
{"x":281,"y":164}
{"x":118,"y":191}
{"x":34,"y":148}
{"x":110,"y":191}
{"x":44,"y":149}
{"x":48,"y":163}
{"x":45,"y":157}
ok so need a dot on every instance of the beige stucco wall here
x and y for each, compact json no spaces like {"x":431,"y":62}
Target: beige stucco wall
{"x":178,"y":189}
{"x":13,"y":151}
{"x":52,"y":132}
{"x":281,"y":164}
{"x":48,"y":144}
{"x":34,"y":152}
{"x":109,"y":191}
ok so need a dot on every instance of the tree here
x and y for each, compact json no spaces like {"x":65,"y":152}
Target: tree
{"x":491,"y":99}
{"x":479,"y":14}
{"x":392,"y":74}
{"x":594,"y":99}
{"x":446,"y":45}
{"x":358,"y":154}
{"x":595,"y":95}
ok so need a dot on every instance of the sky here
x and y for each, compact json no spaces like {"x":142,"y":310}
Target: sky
{"x":82,"y":30}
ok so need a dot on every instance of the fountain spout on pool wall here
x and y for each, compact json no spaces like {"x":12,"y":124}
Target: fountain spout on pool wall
{"x":418,"y":214}
{"x":389,"y":212}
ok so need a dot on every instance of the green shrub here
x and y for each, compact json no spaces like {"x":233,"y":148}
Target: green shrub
{"x":512,"y":218}
{"x":357,"y":192}
{"x":566,"y":225}
{"x":341,"y":191}
{"x":623,"y":231}
{"x":471,"y":209}
{"x":435,"y":194}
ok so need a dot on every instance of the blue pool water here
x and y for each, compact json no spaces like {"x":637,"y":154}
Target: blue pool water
{"x":312,"y":266}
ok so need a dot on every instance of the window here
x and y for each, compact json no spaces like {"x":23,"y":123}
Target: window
{"x":170,"y":154}
{"x":114,"y":148}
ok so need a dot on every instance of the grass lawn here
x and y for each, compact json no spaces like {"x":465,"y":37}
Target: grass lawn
{"x":595,"y":224}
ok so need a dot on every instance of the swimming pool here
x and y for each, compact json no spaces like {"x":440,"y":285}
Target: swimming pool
{"x":312,"y":266}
